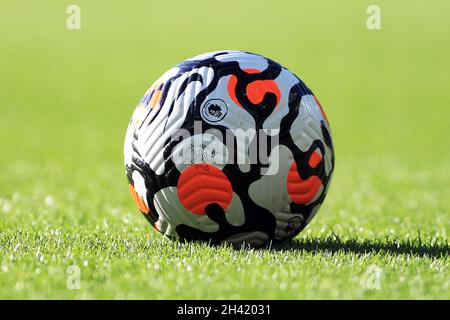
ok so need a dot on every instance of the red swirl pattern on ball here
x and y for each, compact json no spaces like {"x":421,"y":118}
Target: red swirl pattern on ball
{"x":315,"y":159}
{"x":202,"y":184}
{"x":301,"y":191}
{"x":255,"y":90}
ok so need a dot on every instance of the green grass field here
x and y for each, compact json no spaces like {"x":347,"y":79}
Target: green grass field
{"x":66,"y":98}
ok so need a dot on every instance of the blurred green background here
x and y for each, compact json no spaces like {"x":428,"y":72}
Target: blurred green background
{"x":66,"y":97}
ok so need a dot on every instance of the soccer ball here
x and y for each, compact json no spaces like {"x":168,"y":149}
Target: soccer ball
{"x":229,"y":147}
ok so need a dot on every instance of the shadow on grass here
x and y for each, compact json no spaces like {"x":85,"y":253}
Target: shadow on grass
{"x":413,"y":247}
